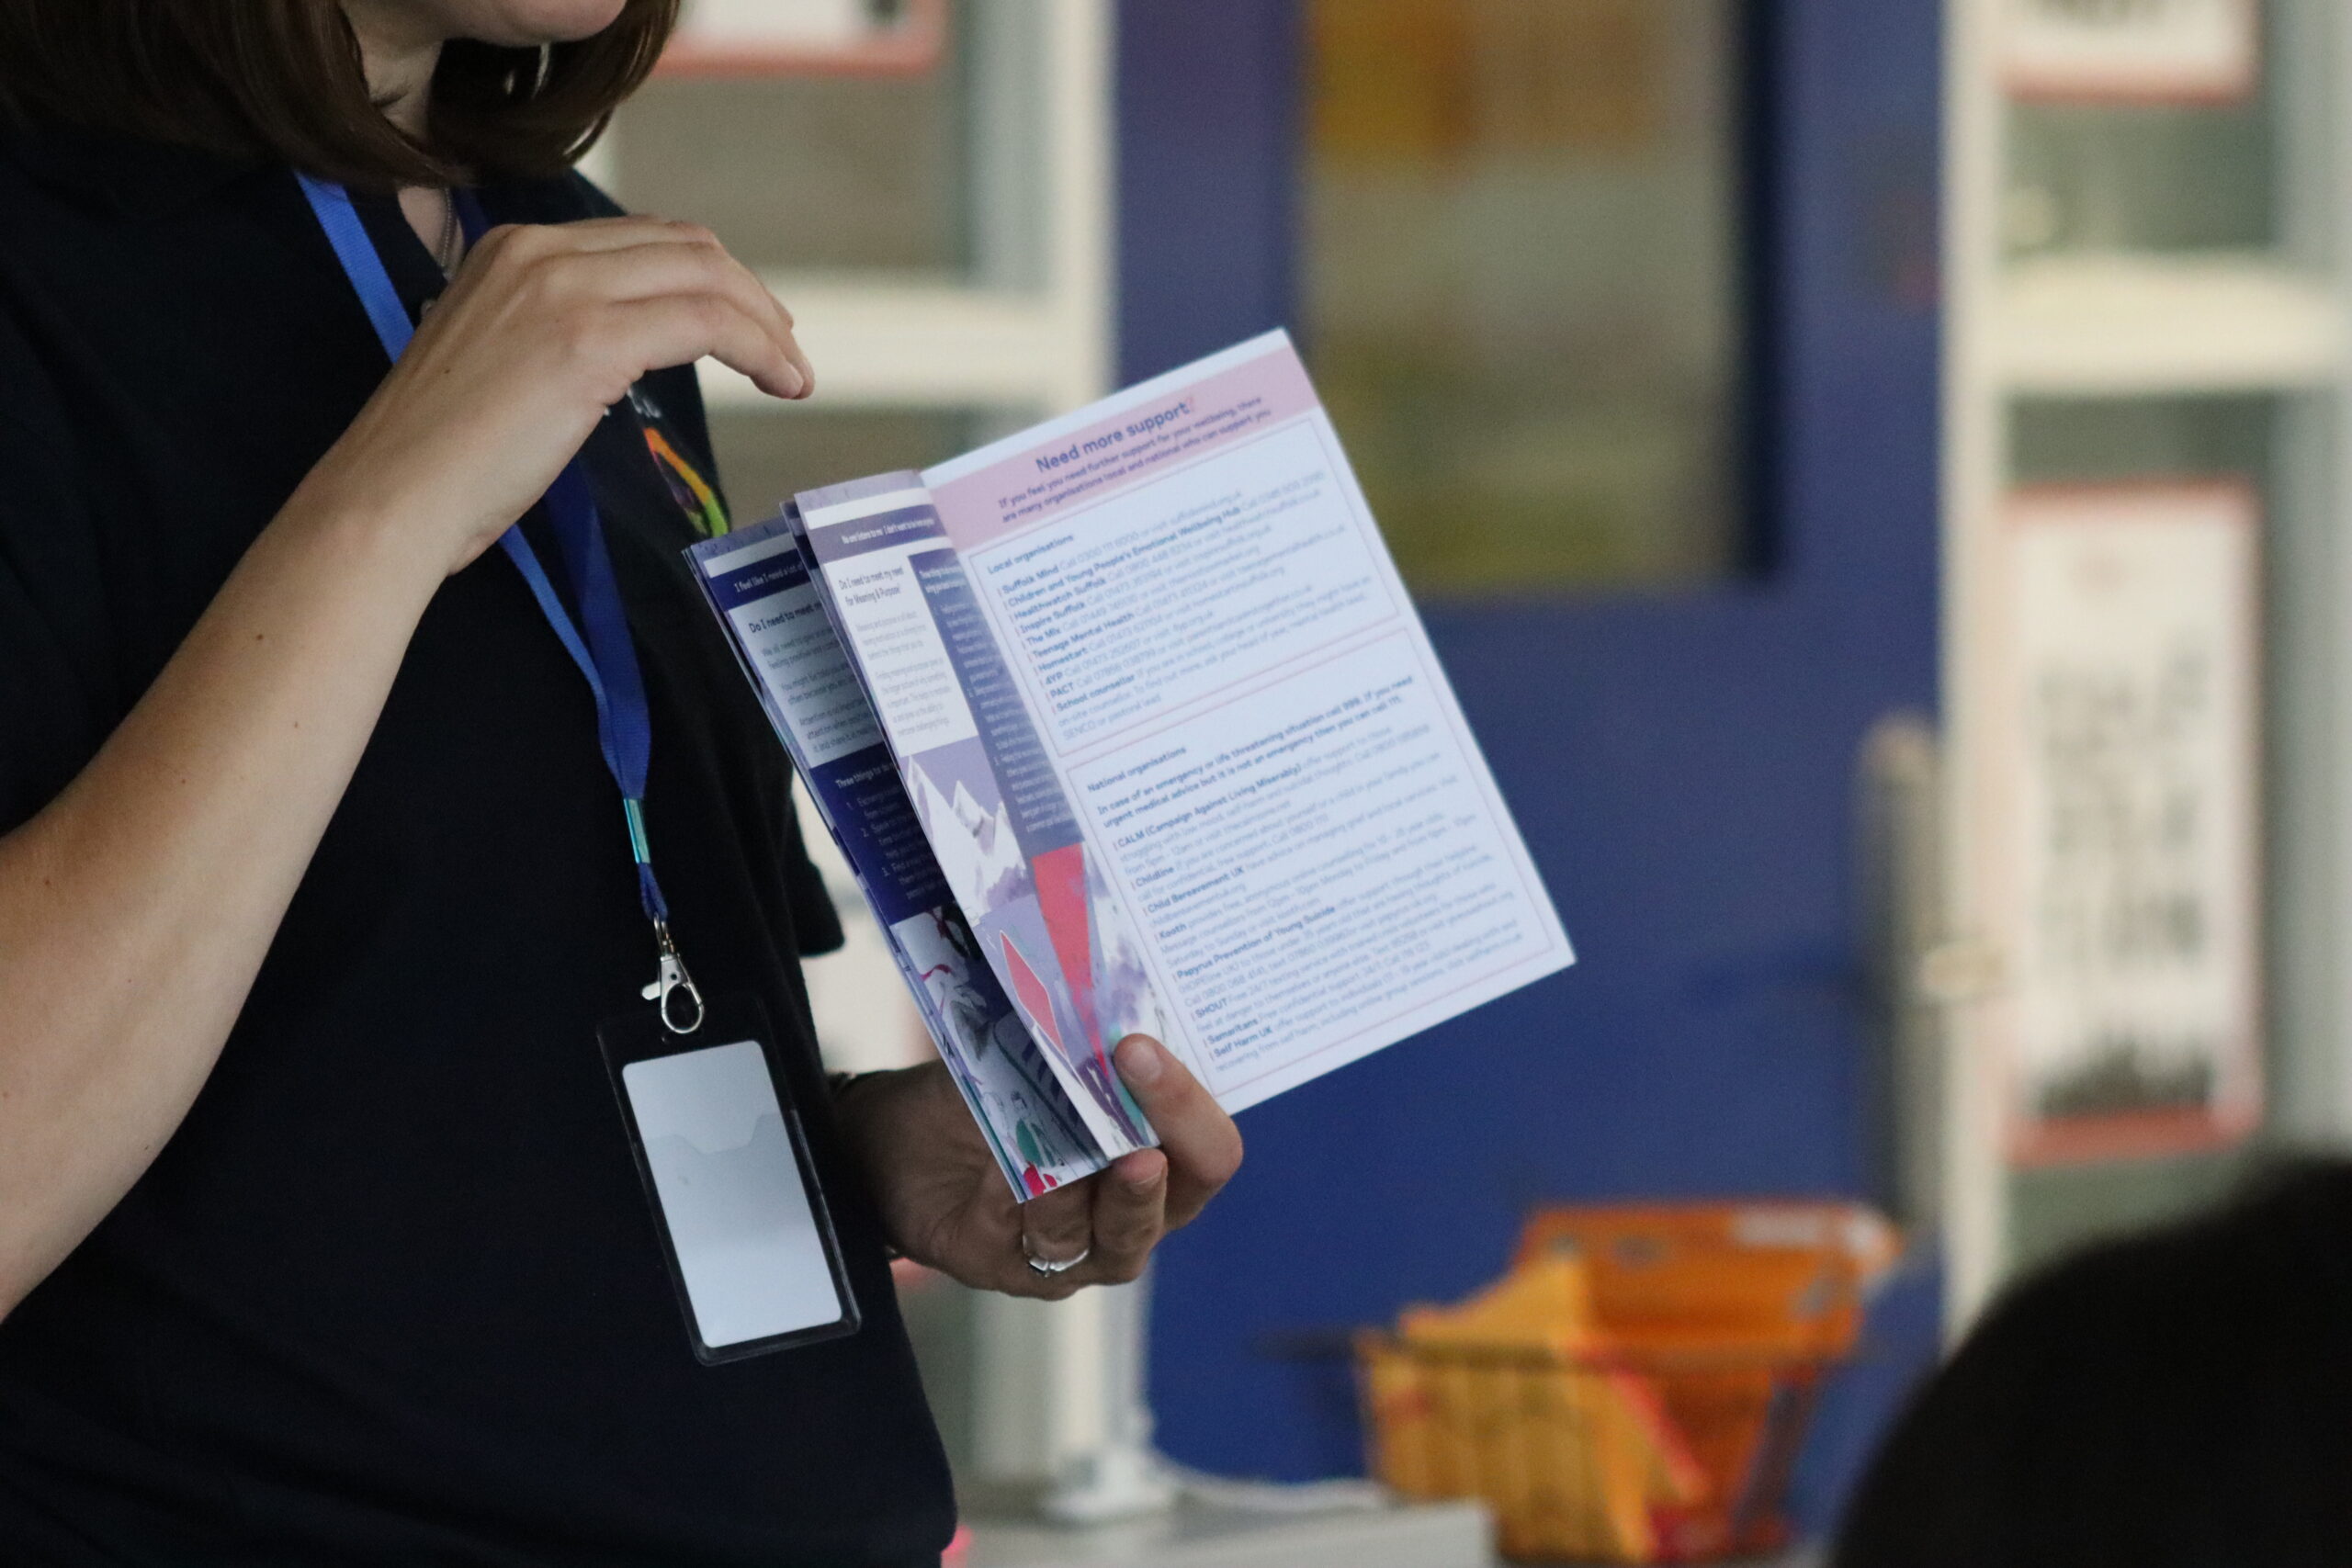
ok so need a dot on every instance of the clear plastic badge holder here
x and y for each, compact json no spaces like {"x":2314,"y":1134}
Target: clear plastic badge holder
{"x":742,"y":1218}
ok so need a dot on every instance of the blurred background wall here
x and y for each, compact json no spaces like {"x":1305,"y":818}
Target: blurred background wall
{"x":1873,"y":469}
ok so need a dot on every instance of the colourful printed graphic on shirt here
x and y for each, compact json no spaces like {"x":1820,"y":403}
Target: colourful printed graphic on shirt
{"x":694,"y":496}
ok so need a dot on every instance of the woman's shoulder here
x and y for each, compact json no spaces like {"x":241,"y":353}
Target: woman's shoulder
{"x":95,"y":172}
{"x":30,"y":405}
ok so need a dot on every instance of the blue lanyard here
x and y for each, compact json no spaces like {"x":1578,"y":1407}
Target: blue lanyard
{"x":604,"y":654}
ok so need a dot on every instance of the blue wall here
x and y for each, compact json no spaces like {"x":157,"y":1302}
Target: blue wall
{"x":1681,"y":763}
{"x":1209,"y":113}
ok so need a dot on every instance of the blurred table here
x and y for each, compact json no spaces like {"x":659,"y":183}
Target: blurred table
{"x":1442,"y":1535}
{"x":1437,"y":1535}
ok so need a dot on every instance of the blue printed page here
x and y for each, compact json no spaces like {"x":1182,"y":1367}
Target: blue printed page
{"x":989,"y":805}
{"x":782,"y":631}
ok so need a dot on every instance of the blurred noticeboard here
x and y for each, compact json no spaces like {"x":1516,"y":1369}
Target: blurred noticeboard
{"x":1521,"y":284}
{"x":2125,"y":841}
{"x":762,"y":37}
{"x":1430,"y":81}
{"x":2131,"y":51}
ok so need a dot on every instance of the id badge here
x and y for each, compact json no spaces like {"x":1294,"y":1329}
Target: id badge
{"x":742,"y":1218}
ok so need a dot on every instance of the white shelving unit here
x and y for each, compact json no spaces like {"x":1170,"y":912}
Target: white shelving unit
{"x":1028,"y":333}
{"x":2106,"y":322}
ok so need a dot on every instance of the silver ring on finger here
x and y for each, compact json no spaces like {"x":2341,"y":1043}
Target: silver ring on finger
{"x":1042,"y":1266}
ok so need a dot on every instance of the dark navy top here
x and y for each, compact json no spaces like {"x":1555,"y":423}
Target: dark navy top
{"x":391,"y":1294}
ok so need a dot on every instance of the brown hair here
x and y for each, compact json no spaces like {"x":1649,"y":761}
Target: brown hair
{"x":283,"y":78}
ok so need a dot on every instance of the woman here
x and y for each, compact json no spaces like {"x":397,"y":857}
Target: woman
{"x":320,"y":1235}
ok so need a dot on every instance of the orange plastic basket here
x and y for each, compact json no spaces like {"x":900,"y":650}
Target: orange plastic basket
{"x":1663,"y":1429}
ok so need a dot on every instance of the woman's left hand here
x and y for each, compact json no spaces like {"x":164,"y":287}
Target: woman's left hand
{"x":946,"y":1205}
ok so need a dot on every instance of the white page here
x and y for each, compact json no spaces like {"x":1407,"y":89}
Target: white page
{"x":1249,"y":721}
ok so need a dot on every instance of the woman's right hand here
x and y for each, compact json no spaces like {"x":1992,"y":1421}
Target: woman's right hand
{"x":542,"y":329}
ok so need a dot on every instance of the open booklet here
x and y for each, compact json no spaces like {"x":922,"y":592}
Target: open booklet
{"x":1126,"y":725}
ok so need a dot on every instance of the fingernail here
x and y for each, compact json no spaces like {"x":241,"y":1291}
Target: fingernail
{"x":1141,"y":1061}
{"x":1141,"y":1173}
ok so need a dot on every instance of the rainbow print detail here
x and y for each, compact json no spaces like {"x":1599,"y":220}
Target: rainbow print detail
{"x":699,"y":501}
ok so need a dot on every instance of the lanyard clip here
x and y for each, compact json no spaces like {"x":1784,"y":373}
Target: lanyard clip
{"x":672,"y":984}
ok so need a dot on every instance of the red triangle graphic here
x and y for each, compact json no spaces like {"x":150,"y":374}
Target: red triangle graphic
{"x":1031,"y":993}
{"x":1061,"y":898}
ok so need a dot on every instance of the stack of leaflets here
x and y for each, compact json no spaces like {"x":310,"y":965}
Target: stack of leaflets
{"x":1126,"y":726}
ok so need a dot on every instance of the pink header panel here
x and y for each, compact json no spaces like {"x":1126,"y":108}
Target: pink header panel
{"x":1144,"y":440}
